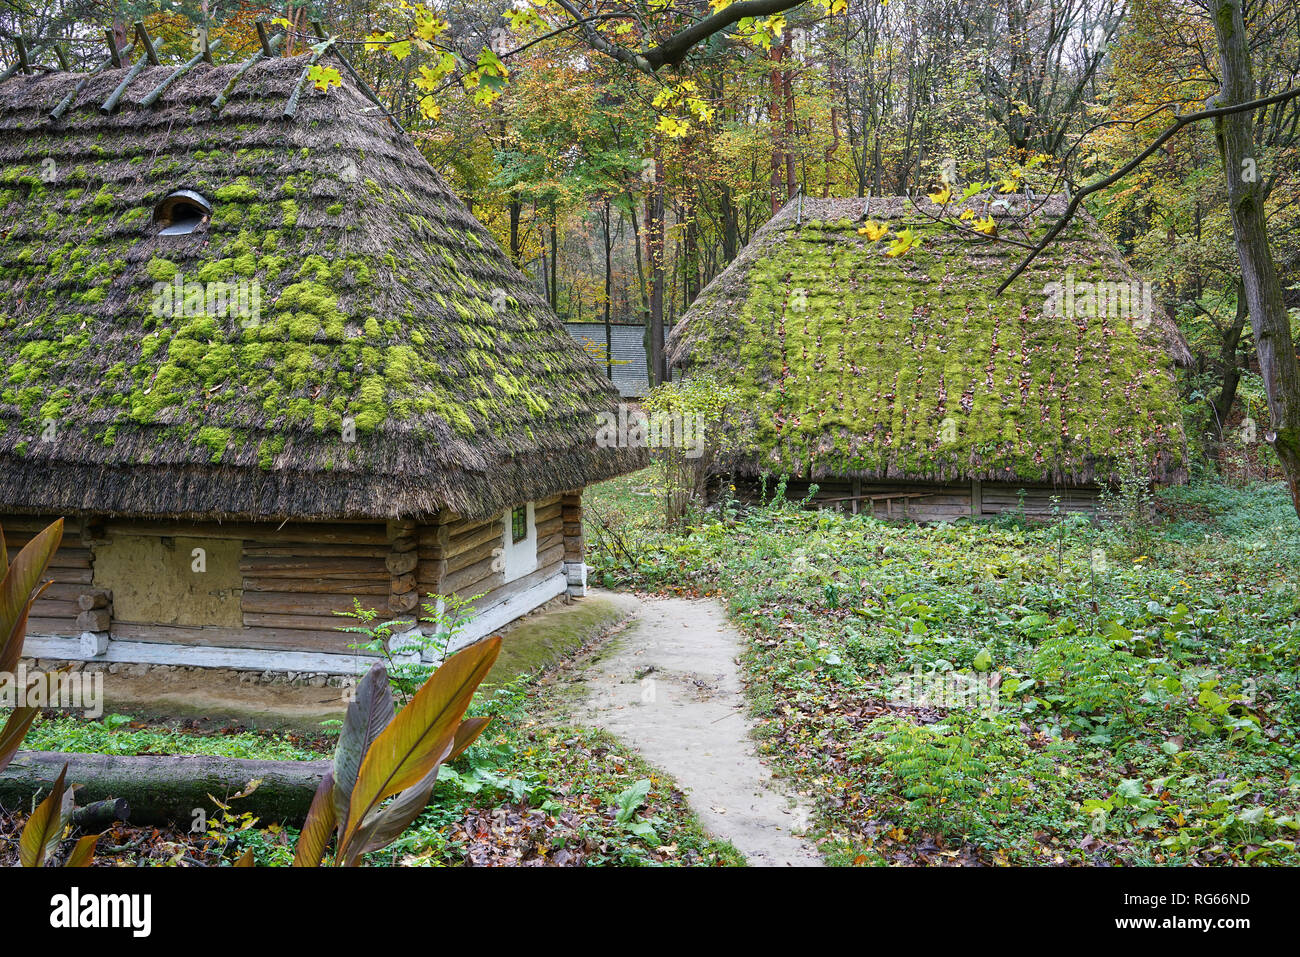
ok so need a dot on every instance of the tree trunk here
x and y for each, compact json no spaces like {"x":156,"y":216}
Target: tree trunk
{"x":606,"y":218}
{"x":1234,"y":134}
{"x":774,"y":120}
{"x":515,"y":209}
{"x":167,"y":789}
{"x":1229,"y":372}
{"x":555,"y":259}
{"x":787,"y":145}
{"x":655,"y":234}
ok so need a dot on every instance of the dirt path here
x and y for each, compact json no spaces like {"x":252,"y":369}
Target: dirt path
{"x":668,"y":685}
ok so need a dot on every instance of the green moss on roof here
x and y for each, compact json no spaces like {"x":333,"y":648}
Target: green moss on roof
{"x":389,"y":328}
{"x":848,"y":362}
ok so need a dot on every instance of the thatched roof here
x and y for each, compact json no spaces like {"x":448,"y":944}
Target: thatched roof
{"x":847,"y":362}
{"x":385,"y":307}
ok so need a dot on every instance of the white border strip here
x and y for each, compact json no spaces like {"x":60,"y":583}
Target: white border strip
{"x":201,"y":656}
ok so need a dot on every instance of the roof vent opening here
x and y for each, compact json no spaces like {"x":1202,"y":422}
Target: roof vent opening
{"x":181,"y":212}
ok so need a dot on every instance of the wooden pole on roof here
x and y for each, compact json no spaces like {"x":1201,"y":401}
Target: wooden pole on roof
{"x":268,"y":49}
{"x":22,"y":55}
{"x":150,"y":98}
{"x":112,"y":48}
{"x":62,"y":54}
{"x":266,"y":53}
{"x":110,"y":104}
{"x":66,"y":102}
{"x":292,"y":106}
{"x":143,"y":36}
{"x":20,"y":64}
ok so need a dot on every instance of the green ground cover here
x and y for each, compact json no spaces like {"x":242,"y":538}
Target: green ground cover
{"x":1068,"y":692}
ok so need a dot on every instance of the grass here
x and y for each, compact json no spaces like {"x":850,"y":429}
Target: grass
{"x":119,"y":734}
{"x":1138,"y":684}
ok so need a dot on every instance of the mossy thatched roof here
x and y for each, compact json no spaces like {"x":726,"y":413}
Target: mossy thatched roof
{"x":387,"y":314}
{"x":847,"y":362}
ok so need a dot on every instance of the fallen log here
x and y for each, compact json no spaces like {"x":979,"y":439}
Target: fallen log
{"x":167,"y":789}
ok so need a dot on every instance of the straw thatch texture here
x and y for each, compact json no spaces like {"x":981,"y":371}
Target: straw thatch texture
{"x":849,"y":362}
{"x":386,"y":313}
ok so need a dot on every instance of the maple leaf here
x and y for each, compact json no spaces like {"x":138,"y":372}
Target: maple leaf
{"x":672,"y":127}
{"x":903,"y":242}
{"x":427,"y":29}
{"x":378,"y":41}
{"x":324,"y":77}
{"x":986,"y":226}
{"x":873,"y":230}
{"x":940,"y":198}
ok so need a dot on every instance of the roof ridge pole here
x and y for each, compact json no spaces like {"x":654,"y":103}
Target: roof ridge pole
{"x":292,"y":106}
{"x":143,"y":36}
{"x":268,"y":46}
{"x":66,"y":102}
{"x":150,"y":98}
{"x":366,"y":90}
{"x":22,"y":55}
{"x":114,"y":57}
{"x":223,"y":97}
{"x":111,"y":103}
{"x":22,"y":64}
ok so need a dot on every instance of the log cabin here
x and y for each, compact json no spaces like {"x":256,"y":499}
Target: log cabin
{"x":266,"y":365}
{"x":904,"y":385}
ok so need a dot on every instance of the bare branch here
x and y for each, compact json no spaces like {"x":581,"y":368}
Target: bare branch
{"x":1179,"y":122}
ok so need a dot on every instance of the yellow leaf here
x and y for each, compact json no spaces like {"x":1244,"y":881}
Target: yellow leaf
{"x":941,"y":197}
{"x":985,"y":226}
{"x":672,"y":127}
{"x":903,"y":242}
{"x":377,"y":41}
{"x":873,"y":230}
{"x":967,"y":214}
{"x":324,"y":77}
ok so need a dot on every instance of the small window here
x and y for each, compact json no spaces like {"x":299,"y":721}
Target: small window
{"x":181,"y":212}
{"x":519,"y":524}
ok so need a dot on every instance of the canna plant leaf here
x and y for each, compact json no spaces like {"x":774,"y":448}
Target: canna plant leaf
{"x":319,"y":826}
{"x":420,"y":736}
{"x":368,"y":714}
{"x":44,"y":828}
{"x":84,"y":852}
{"x":22,"y":576}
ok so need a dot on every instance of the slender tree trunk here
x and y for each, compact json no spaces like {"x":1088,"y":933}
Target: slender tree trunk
{"x":606,"y":214}
{"x":515,"y":253}
{"x":774,"y":121}
{"x":555,"y":259}
{"x":655,"y":234}
{"x":1269,"y":320}
{"x":787,"y":89}
{"x":1228,"y":369}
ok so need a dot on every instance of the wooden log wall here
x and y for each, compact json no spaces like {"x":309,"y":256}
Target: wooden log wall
{"x":58,"y":609}
{"x":294,"y":577}
{"x":931,"y":501}
{"x":463,"y":557}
